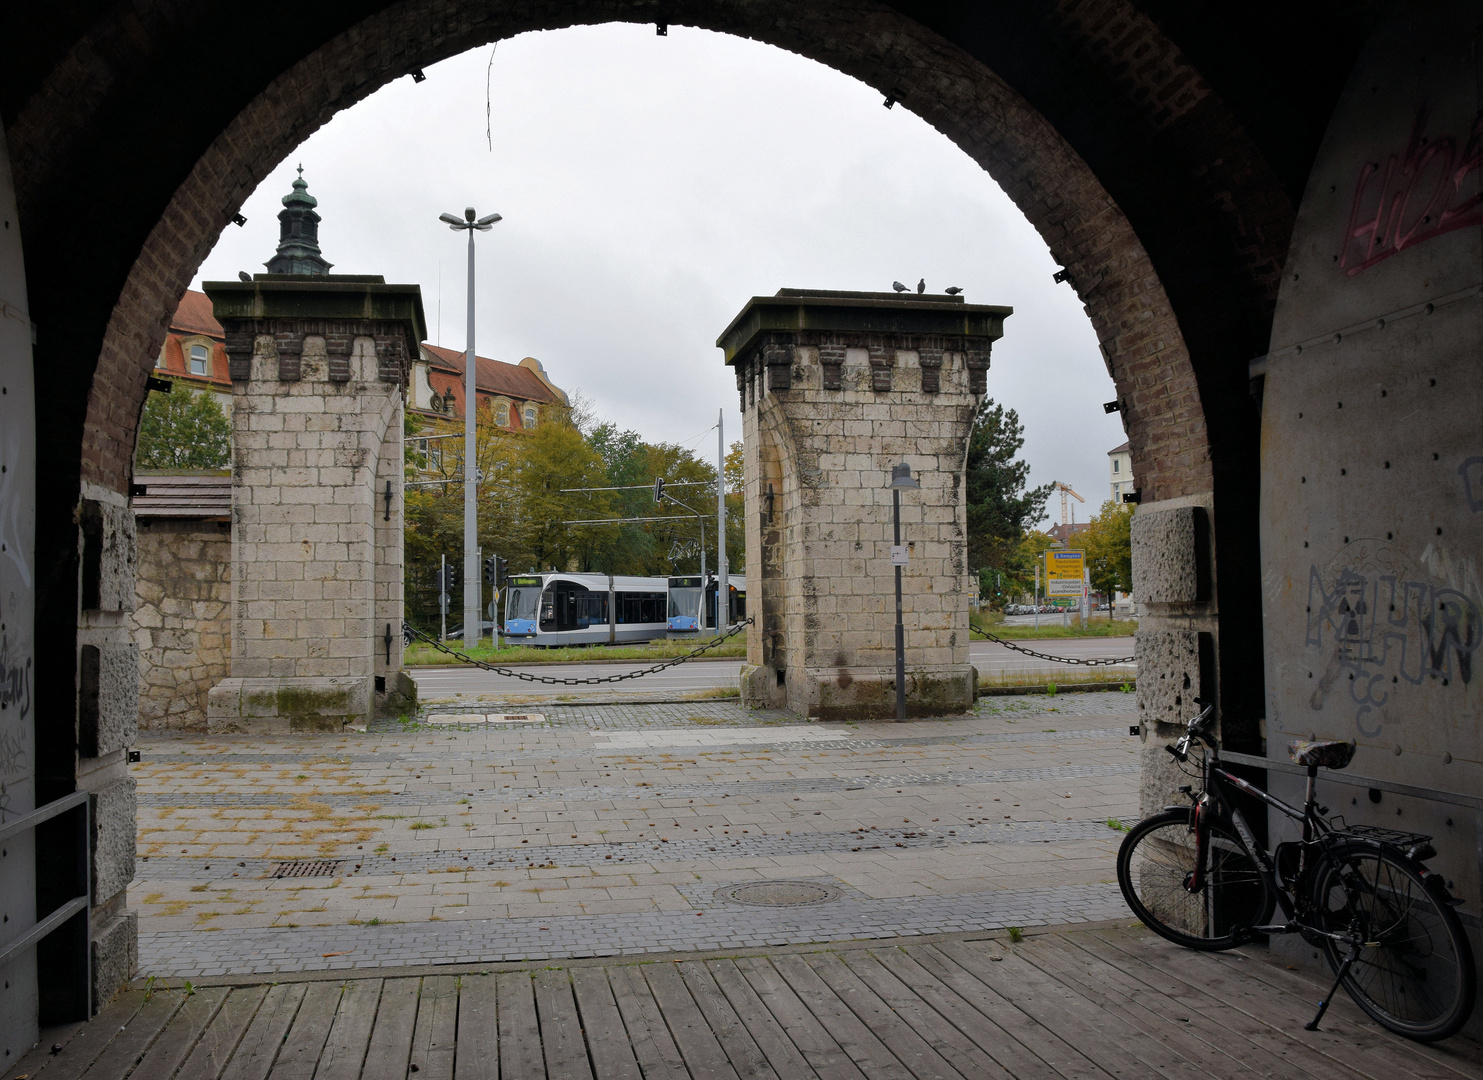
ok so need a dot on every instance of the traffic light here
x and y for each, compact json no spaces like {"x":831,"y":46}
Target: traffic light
{"x":658,"y":489}
{"x":501,"y":570}
{"x":446,"y":578}
{"x":490,"y":568}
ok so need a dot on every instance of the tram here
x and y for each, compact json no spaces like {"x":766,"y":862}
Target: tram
{"x":555,"y":609}
{"x":685,"y":597}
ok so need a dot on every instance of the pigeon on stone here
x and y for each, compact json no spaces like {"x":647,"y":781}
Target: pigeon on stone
{"x":921,"y":286}
{"x":898,"y":286}
{"x":952,"y":290}
{"x":243,"y":275}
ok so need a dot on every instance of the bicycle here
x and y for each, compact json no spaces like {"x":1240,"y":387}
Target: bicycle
{"x":1196,"y":876}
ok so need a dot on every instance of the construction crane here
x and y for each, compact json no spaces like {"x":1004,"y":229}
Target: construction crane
{"x":1066,"y":490}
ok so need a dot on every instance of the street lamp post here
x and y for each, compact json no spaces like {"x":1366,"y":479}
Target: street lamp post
{"x":901,"y":478}
{"x":473,"y":625}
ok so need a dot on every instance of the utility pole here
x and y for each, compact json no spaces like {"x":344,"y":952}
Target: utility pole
{"x":472,"y":623}
{"x":723,"y":583}
{"x":443,"y":596}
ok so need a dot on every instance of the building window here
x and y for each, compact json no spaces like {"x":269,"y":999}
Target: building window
{"x":502,"y":415}
{"x":198,"y":360}
{"x":1116,"y":466}
{"x":530,"y":416}
{"x":160,"y":360}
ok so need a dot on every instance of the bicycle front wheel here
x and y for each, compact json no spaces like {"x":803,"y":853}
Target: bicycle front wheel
{"x":1415,"y":972}
{"x":1157,"y":859}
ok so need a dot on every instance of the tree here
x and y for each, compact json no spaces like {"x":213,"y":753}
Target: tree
{"x":1000,"y":509}
{"x":1109,"y":548}
{"x":183,"y":430}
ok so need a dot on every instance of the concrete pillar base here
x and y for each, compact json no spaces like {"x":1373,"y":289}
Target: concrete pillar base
{"x":282,"y":706}
{"x":860,"y":693}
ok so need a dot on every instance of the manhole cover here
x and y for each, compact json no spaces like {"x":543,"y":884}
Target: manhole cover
{"x":316,"y":868}
{"x":778,"y":893}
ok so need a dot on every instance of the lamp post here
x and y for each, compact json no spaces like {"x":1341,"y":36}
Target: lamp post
{"x":901,"y":478}
{"x":473,"y":625}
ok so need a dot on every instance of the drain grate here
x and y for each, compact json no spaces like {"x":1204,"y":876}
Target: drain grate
{"x":314,"y":868}
{"x":778,"y":893}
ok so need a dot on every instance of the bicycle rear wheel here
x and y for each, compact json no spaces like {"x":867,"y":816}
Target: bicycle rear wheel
{"x":1156,"y":859}
{"x":1415,"y":974}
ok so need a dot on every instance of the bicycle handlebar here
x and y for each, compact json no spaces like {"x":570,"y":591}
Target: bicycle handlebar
{"x":1197,"y":731}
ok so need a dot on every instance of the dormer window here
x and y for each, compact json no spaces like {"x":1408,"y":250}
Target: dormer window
{"x":199,"y":360}
{"x":530,"y":416}
{"x":502,"y":415}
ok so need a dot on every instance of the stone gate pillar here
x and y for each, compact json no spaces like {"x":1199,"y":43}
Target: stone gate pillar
{"x":837,"y":387}
{"x":319,"y":367}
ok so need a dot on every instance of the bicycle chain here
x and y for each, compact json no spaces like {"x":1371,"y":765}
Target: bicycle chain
{"x":527,"y":677}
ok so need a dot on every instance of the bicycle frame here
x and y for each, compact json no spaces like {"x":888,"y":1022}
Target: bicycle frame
{"x":1216,"y":779}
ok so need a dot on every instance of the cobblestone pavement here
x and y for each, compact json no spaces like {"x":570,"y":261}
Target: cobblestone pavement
{"x":609,"y":829}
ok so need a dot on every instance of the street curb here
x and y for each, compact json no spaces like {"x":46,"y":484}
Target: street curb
{"x":1061,"y":688}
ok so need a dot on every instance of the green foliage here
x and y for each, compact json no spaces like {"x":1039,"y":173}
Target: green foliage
{"x":1000,"y":508}
{"x":183,"y":430}
{"x":1016,"y":934}
{"x":523,"y":503}
{"x":1109,"y":548}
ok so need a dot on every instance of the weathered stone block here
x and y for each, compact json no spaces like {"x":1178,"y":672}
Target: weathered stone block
{"x":286,"y":704}
{"x":1168,"y":560}
{"x":109,"y":554}
{"x":113,"y":839}
{"x":115,"y":948}
{"x":1168,"y":675}
{"x":108,"y":697}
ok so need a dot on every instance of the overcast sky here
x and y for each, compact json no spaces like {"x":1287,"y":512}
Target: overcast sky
{"x":651,"y":185}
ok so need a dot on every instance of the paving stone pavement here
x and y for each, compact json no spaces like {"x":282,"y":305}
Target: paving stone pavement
{"x":608,"y":829}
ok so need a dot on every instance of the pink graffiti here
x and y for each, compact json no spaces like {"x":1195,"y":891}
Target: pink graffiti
{"x":1412,"y":197}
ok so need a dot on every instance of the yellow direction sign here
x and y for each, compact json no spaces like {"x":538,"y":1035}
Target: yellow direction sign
{"x":1063,"y":572}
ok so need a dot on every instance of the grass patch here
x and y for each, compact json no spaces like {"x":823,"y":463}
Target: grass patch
{"x":420,"y":654}
{"x":1016,"y":934}
{"x":422,"y":825}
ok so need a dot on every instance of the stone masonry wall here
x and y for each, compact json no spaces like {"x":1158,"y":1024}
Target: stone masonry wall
{"x":182,"y":622}
{"x":314,"y":415}
{"x":824,"y":420}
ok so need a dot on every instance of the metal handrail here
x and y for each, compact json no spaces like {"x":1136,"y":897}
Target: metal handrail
{"x":68,"y":910}
{"x":33,"y":818}
{"x":1455,"y":797}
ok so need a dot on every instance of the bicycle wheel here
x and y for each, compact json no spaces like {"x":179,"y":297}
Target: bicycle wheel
{"x":1415,"y":974}
{"x":1155,"y":860}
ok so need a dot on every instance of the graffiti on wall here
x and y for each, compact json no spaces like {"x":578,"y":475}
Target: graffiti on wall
{"x":1413,"y":195}
{"x":1380,"y":622}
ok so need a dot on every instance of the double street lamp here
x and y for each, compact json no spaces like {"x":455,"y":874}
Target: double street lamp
{"x":473,"y":626}
{"x":901,"y":480}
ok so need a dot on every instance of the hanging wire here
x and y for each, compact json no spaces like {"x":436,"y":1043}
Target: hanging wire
{"x":488,"y":109}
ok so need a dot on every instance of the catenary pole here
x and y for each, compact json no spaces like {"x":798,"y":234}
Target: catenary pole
{"x":473,"y":623}
{"x":723,"y":584}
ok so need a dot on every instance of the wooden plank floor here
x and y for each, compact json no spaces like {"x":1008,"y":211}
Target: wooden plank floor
{"x":1067,"y":1004}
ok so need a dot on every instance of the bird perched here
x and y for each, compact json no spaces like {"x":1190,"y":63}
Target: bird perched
{"x":898,"y":286}
{"x":243,"y":275}
{"x":952,"y":290}
{"x":921,"y":286}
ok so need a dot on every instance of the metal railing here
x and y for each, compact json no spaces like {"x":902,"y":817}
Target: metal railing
{"x":73,"y":910}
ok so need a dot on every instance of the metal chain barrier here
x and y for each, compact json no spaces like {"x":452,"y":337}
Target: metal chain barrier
{"x":527,"y":677}
{"x":1058,"y":659}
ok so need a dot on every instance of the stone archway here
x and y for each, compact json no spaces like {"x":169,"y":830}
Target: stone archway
{"x":1168,"y":200}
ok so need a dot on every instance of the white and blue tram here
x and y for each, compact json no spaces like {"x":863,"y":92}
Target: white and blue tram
{"x":686,"y":594}
{"x":554,"y":609}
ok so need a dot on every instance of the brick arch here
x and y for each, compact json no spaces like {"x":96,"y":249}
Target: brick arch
{"x":1168,"y":215}
{"x":1058,"y":191}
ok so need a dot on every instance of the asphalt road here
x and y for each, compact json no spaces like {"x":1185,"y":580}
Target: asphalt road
{"x":991,"y":659}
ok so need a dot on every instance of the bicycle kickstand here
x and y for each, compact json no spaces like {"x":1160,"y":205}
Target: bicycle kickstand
{"x":1323,"y":1006}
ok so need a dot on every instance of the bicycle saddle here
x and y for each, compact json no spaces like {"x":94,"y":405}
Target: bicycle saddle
{"x":1326,"y":753}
